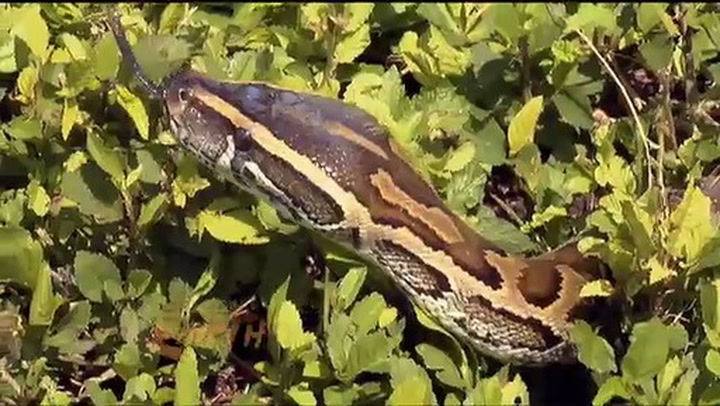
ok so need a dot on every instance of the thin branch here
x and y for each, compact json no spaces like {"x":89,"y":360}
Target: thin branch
{"x":633,"y":111}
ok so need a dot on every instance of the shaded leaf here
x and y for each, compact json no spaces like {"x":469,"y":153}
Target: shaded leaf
{"x":92,"y":272}
{"x":593,"y":350}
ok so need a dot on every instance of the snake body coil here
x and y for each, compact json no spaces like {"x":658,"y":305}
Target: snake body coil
{"x":333,"y":168}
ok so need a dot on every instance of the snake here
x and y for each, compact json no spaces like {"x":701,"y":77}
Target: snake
{"x":333,"y":168}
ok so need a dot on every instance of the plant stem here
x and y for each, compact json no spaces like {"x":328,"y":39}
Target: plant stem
{"x":646,"y":143}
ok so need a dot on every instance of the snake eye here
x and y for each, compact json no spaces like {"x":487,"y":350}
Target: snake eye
{"x":183,"y":95}
{"x":242,"y":139}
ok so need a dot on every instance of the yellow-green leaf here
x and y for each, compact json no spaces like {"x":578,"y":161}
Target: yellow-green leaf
{"x":692,"y":226}
{"x":44,"y":300}
{"x":151,"y":210}
{"x":522,"y":126}
{"x":29,"y":26}
{"x":133,"y":176}
{"x":71,"y":113}
{"x":353,"y":45}
{"x":187,"y":379}
{"x":658,"y":270}
{"x":38,"y":199}
{"x":599,"y":287}
{"x":136,"y":109}
{"x":238,"y":226}
{"x":76,"y":160}
{"x":289,"y":329}
{"x":460,"y":157}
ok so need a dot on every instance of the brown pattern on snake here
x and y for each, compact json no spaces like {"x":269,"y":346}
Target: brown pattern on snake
{"x":301,"y":121}
{"x":540,"y":287}
{"x":433,"y":217}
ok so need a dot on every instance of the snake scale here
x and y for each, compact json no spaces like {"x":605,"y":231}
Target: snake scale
{"x":333,"y":168}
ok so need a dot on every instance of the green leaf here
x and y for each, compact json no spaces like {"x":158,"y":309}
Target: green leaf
{"x":187,"y":181}
{"x":75,"y":161}
{"x":352,"y":45}
{"x":21,"y":257}
{"x":436,"y":360}
{"x":107,"y":158}
{"x":129,"y":325}
{"x":648,"y":351}
{"x":369,"y":352}
{"x":682,"y":393}
{"x":270,"y":219}
{"x":7,"y":53}
{"x":590,"y":17}
{"x":27,"y":84}
{"x":338,"y":341}
{"x":153,"y":210}
{"x":99,"y":396}
{"x":135,"y":109}
{"x":206,"y":282}
{"x":413,"y":391}
{"x":106,"y":61}
{"x":356,"y":15}
{"x":138,"y":281}
{"x":187,"y":379}
{"x":302,"y":396}
{"x":411,"y":385}
{"x":38,"y":200}
{"x":522,"y":127}
{"x":237,"y":226}
{"x":159,"y":55}
{"x":460,"y":157}
{"x":574,"y":108}
{"x":593,"y":350}
{"x":340,"y":394}
{"x":506,"y":20}
{"x":710,"y":306}
{"x":25,"y":128}
{"x":614,"y":386}
{"x":44,"y":301}
{"x":672,"y":371}
{"x":65,"y":335}
{"x":139,"y":388}
{"x":289,"y":330}
{"x":692,"y":226}
{"x":133,"y":176}
{"x":350,"y":287}
{"x":29,"y":26}
{"x":648,"y":15}
{"x":94,"y":273}
{"x":73,"y":45}
{"x":71,"y":114}
{"x":599,"y":287}
{"x":95,"y":195}
{"x":171,"y":17}
{"x":658,"y":271}
{"x":366,"y":313}
{"x":152,"y":171}
{"x":388,"y":316}
{"x":657,"y":52}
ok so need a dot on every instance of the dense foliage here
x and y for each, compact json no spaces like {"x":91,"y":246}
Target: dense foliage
{"x":128,"y":273}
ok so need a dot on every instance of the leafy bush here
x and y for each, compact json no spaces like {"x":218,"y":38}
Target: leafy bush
{"x":130,"y":274}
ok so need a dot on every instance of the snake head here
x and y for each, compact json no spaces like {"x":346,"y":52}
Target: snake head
{"x":203,"y":127}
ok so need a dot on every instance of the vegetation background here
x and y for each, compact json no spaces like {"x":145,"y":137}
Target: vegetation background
{"x":128,"y":274}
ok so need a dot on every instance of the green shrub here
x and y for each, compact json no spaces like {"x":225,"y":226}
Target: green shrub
{"x":112,"y":238}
